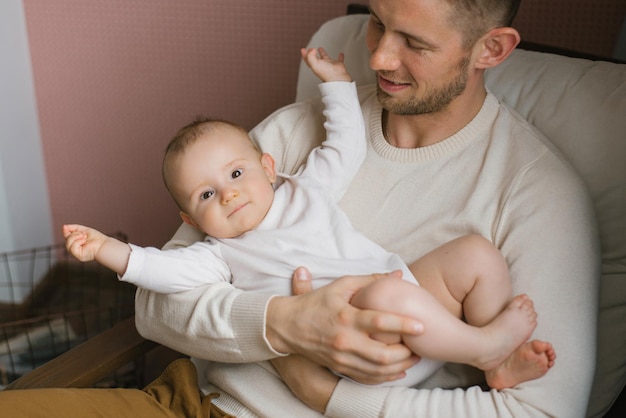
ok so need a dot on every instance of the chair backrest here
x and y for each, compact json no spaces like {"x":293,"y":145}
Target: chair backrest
{"x":581,"y":106}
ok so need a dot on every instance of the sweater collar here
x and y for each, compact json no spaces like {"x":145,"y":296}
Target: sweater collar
{"x":477,"y":128}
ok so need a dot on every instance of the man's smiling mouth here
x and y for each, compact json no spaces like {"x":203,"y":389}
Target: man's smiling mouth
{"x":390,"y":85}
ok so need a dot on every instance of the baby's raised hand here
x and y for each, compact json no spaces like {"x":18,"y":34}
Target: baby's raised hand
{"x":83,"y":242}
{"x":323,"y":66}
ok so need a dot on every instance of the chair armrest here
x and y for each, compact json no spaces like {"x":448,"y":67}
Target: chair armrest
{"x":90,"y":361}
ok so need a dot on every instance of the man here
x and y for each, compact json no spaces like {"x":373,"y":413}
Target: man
{"x":445,"y":159}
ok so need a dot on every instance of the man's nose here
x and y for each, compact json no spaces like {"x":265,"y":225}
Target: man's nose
{"x":384,"y":55}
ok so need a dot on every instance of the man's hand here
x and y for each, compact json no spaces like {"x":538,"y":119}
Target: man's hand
{"x":323,"y":326}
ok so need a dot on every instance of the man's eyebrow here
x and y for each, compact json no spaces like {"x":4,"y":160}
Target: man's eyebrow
{"x":407,"y":35}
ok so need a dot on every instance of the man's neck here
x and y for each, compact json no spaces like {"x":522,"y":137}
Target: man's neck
{"x":416,"y":131}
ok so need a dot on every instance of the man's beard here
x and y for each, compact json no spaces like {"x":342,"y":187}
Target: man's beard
{"x":434,"y":101}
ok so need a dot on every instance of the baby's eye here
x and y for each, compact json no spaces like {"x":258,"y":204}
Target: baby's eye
{"x":238,"y":172}
{"x":207,"y":195}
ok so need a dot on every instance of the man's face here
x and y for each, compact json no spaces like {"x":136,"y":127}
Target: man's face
{"x":420,"y":60}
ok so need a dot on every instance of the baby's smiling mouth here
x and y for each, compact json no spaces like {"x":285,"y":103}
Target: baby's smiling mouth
{"x":237,"y":209}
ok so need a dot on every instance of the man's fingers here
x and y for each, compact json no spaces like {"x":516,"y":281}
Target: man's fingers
{"x":383,"y":322}
{"x":340,"y":336}
{"x":301,"y":281}
{"x":396,"y":274}
{"x":392,"y":361}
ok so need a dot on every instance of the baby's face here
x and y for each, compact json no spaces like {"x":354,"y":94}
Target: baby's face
{"x":224,"y":184}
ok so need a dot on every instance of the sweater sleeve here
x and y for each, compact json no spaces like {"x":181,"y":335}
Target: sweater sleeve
{"x":548,"y":236}
{"x":212,"y":322}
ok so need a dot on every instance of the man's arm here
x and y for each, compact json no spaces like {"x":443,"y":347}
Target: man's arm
{"x":554,"y":257}
{"x":211,"y":322}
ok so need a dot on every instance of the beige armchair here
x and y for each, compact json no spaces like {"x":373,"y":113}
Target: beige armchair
{"x":579,"y":104}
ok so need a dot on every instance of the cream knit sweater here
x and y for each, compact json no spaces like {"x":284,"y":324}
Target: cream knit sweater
{"x":497,"y":177}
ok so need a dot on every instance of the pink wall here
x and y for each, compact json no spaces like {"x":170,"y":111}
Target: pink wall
{"x":115,"y":79}
{"x":590,"y":26}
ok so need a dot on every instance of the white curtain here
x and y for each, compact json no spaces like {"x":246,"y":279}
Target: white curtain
{"x":25,"y":216}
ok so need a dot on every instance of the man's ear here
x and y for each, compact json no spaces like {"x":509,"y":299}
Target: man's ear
{"x":267,"y":161}
{"x":188,"y":220}
{"x":496,"y":46}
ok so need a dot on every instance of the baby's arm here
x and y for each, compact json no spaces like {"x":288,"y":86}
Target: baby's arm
{"x":87,"y":244}
{"x":323,"y":66}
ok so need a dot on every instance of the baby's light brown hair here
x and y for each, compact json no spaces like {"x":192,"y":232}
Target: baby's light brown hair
{"x":184,"y":138}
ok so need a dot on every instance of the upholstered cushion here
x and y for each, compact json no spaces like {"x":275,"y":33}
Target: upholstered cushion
{"x":581,"y":106}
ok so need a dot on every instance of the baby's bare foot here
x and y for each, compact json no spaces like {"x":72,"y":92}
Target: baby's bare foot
{"x":512,"y":327}
{"x":530,"y":361}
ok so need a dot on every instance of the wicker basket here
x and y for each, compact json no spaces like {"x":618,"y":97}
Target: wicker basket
{"x":50,"y":302}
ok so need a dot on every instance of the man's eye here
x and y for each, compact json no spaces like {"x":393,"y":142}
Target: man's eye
{"x":206,"y":195}
{"x":377,"y":23}
{"x":236,"y":173}
{"x":414,"y":46}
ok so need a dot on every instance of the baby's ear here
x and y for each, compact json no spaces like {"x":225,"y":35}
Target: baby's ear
{"x":269,"y":165}
{"x":188,"y":220}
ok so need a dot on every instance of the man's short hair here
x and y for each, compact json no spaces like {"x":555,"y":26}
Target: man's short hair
{"x":477,"y":17}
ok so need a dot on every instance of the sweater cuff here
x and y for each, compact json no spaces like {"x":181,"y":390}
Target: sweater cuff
{"x":248,"y":322}
{"x":351,"y":399}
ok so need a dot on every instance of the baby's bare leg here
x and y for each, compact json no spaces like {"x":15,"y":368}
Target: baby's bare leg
{"x":471,"y":278}
{"x":446,"y":337}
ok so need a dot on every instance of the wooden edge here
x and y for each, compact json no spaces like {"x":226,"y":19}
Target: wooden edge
{"x":90,"y":361}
